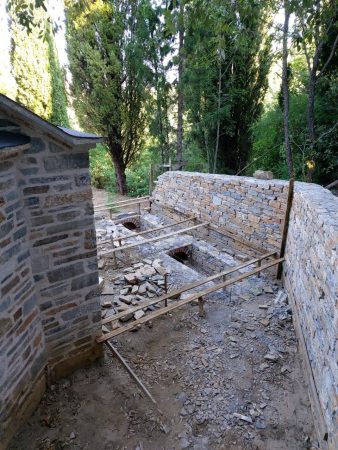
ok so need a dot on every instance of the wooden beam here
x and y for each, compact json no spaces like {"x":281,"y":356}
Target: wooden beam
{"x":133,"y":199}
{"x":180,"y":303}
{"x":185,"y":288}
{"x":118,"y":355}
{"x":105,"y":208}
{"x":286,"y":226}
{"x":150,"y":230}
{"x":154,"y":239}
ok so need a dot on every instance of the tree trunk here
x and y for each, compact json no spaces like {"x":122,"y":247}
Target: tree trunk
{"x":218,"y":115}
{"x":311,"y":109}
{"x":115,"y":150}
{"x":180,"y":100}
{"x":285,"y":86}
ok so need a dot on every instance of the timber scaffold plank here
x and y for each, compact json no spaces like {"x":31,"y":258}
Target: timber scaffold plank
{"x":154,"y":239}
{"x":122,"y":204}
{"x":187,"y":287}
{"x":193,"y":297}
{"x":150,"y":230}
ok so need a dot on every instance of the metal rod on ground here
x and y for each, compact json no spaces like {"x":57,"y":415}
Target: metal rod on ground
{"x":286,"y":225}
{"x":130,"y":371}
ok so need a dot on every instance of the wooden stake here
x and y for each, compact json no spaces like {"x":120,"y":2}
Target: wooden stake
{"x":259,"y":263}
{"x":201,"y":307}
{"x":166,"y":288}
{"x":286,"y":226}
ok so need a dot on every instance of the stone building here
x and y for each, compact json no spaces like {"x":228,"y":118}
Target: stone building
{"x":49,"y":305}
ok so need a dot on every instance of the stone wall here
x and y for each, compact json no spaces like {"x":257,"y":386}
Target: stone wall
{"x":254,"y":210}
{"x":22,"y":344}
{"x":49,"y":308}
{"x":311,"y":279}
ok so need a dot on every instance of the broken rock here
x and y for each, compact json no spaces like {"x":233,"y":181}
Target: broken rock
{"x":139,"y":314}
{"x":242,"y":417}
{"x":125,"y":299}
{"x":130,"y":278}
{"x":271,"y":356}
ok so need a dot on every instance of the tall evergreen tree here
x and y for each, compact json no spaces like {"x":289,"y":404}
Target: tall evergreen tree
{"x":227,"y":63}
{"x":30,"y":65}
{"x":39,"y":80}
{"x":109,"y":44}
{"x":58,"y":114}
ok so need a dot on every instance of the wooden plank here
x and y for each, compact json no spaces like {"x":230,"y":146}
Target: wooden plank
{"x":154,"y":239}
{"x":130,"y":370}
{"x":286,"y":225}
{"x":180,"y":303}
{"x":150,"y":230}
{"x":105,"y":208}
{"x":185,"y":288}
{"x":133,"y":199}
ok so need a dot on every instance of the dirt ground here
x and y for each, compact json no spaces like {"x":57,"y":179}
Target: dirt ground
{"x":231,"y":380}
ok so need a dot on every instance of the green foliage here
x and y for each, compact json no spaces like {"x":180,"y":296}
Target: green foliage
{"x":109,"y":47}
{"x":103,"y":174}
{"x":268,"y":151}
{"x":30,"y":66}
{"x":59,"y":114}
{"x":36,"y":70}
{"x":226,"y":76}
{"x":101,"y":168}
{"x":26,"y":13}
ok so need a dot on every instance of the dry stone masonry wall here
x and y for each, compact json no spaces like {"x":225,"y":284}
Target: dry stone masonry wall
{"x":311,"y":278}
{"x":254,"y":210}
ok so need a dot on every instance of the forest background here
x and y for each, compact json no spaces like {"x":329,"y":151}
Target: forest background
{"x":218,"y":86}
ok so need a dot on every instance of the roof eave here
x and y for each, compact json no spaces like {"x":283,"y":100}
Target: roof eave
{"x":20,"y":113}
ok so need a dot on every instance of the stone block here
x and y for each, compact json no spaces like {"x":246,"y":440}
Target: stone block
{"x":64,"y":273}
{"x":66,"y":162}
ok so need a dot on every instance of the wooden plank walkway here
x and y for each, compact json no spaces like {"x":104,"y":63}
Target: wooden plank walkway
{"x":191,"y":298}
{"x":187,"y":287}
